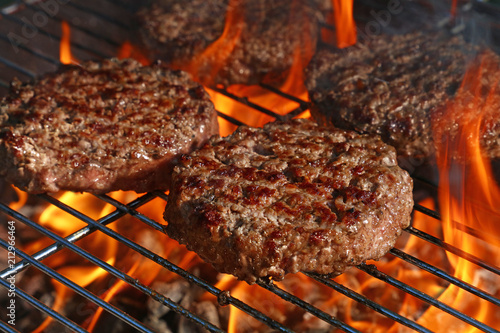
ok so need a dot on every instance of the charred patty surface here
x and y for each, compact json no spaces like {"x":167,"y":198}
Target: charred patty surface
{"x":264,"y":37}
{"x":389,"y":86}
{"x":292,"y":196}
{"x":102,"y":126}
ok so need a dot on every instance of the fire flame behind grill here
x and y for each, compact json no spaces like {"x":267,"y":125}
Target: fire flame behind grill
{"x":461,"y":207}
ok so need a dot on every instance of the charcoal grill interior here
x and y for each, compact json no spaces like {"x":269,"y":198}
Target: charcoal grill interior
{"x":29,"y":42}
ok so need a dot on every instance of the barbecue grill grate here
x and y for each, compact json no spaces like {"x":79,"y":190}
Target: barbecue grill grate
{"x":36,"y":54}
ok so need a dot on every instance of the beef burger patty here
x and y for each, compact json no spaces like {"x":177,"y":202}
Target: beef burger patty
{"x":102,"y":126}
{"x":292,"y":196}
{"x":389,"y":86}
{"x":264,"y":38}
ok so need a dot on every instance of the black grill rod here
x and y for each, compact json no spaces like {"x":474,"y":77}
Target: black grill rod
{"x":303,"y":104}
{"x":78,"y":289}
{"x":450,"y":248}
{"x":427,"y":211}
{"x":87,"y":31}
{"x":52,"y":36}
{"x":132,"y":6}
{"x":295,"y":112}
{"x":104,"y":17}
{"x":126,"y":209}
{"x":6,"y":328}
{"x":220,"y":294}
{"x":110,"y":269}
{"x":445,"y":276}
{"x":373,"y":271}
{"x":17,"y":67}
{"x":230,"y":119}
{"x":77,"y":235}
{"x":425,"y":181}
{"x":368,"y":302}
{"x":245,"y":101}
{"x":460,"y":226}
{"x":35,"y":53}
{"x":269,"y":285}
{"x":39,"y":305}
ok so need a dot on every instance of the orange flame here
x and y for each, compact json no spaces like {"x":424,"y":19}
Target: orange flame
{"x":453,"y":10}
{"x":468,"y":193}
{"x":217,"y":53}
{"x":109,"y":295}
{"x":345,"y":26}
{"x":293,"y":84}
{"x":65,"y":55}
{"x":127,"y":50}
{"x":22,"y":198}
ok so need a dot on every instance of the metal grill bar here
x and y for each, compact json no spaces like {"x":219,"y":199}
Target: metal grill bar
{"x":35,"y":53}
{"x":109,"y":268}
{"x":52,"y":249}
{"x":38,"y":305}
{"x":245,"y":101}
{"x":76,"y":45}
{"x":304,"y":305}
{"x":373,"y":271}
{"x":369,"y":303}
{"x":453,"y":249}
{"x":223,"y":296}
{"x":150,"y":255}
{"x":89,"y":32}
{"x":20,"y":69}
{"x":75,"y":287}
{"x":473,"y":232}
{"x":7,"y":328}
{"x":445,"y":276}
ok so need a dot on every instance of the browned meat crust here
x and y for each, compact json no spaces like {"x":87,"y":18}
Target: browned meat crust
{"x":264,"y":41}
{"x":289,"y":197}
{"x":179,"y":29}
{"x":389,"y":86}
{"x":102,"y":126}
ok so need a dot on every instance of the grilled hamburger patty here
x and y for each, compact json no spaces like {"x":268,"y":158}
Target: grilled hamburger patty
{"x":264,"y":38}
{"x":102,"y":126}
{"x":388,"y":86}
{"x":179,"y":29}
{"x":289,"y":197}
